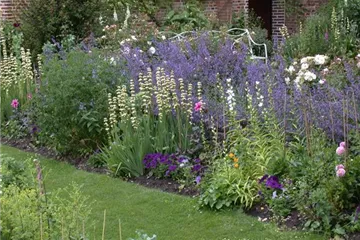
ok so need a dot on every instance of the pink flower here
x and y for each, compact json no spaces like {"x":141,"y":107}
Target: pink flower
{"x":340,"y":172}
{"x":340,"y":151}
{"x":342,"y":144}
{"x":340,"y":166}
{"x":29,"y":96}
{"x":15,"y":103}
{"x":198,"y":106}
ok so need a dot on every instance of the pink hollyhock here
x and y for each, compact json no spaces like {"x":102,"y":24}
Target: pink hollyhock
{"x":15,"y":103}
{"x":340,"y":172}
{"x":340,"y":166}
{"x":340,"y":151}
{"x":198,"y":106}
{"x":29,"y":96}
{"x":342,"y":144}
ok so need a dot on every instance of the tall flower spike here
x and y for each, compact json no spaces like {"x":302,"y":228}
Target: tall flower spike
{"x":149,"y":88}
{"x":182,"y":98}
{"x":173,"y":89}
{"x":230,"y":96}
{"x":167,"y":91}
{"x":190,"y":102}
{"x":142,"y":85}
{"x":158,"y":93}
{"x":134,"y":120}
{"x":123,"y":104}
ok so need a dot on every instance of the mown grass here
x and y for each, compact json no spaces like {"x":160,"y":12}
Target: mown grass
{"x":169,"y":216}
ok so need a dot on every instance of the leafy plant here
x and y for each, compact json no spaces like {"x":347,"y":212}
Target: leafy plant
{"x":189,"y":17}
{"x":138,"y":125}
{"x":77,"y":86}
{"x":43,"y":20}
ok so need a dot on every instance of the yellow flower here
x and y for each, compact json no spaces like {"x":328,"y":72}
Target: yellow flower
{"x":231,"y":155}
{"x":236,"y":160}
{"x":236,"y":165}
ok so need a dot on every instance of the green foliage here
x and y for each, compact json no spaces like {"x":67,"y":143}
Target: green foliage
{"x":42,"y":20}
{"x":334,"y":38}
{"x":143,"y":236}
{"x":189,"y":17}
{"x":228,"y":186}
{"x":135,"y":130}
{"x":17,"y":173}
{"x":26,"y":214}
{"x":125,"y":154}
{"x":16,"y":78}
{"x":352,"y":12}
{"x":72,"y":102}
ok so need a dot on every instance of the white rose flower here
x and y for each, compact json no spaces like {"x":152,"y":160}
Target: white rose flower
{"x":287,"y":80}
{"x":322,"y":81}
{"x":126,"y":50}
{"x":134,"y":38}
{"x":163,"y":37}
{"x":152,"y":50}
{"x":112,"y":61}
{"x":320,"y":59}
{"x":309,"y":76}
{"x":304,"y":66}
{"x":291,"y":69}
{"x":303,"y":60}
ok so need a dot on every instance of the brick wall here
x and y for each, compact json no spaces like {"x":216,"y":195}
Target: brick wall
{"x":223,"y":9}
{"x":6,"y":7}
{"x":278,"y":17}
{"x":10,"y":8}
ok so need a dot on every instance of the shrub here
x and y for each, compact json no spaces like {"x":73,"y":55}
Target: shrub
{"x":42,"y":20}
{"x":72,"y":101}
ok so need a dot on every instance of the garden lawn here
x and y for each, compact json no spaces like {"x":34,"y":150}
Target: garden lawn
{"x":169,"y":216}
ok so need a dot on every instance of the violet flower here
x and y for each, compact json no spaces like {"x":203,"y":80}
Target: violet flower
{"x":273,"y":182}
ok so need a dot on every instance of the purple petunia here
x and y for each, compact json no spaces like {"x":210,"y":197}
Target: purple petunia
{"x":273,"y":182}
{"x":172,"y":168}
{"x":196,"y":168}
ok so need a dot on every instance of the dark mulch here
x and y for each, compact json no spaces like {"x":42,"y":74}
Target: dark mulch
{"x":262,"y":212}
{"x":28,"y":145}
{"x":166,"y":185}
{"x":354,"y":236}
